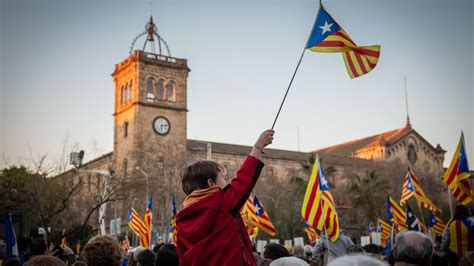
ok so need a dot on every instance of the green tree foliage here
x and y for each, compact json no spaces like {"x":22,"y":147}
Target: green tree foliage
{"x":367,"y":194}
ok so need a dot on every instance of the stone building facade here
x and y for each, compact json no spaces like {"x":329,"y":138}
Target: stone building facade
{"x":151,"y":145}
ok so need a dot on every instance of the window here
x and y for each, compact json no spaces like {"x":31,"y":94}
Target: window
{"x":170,"y":91}
{"x":160,"y":166}
{"x":160,"y":89}
{"x":131,"y":89}
{"x":122,"y":95}
{"x":125,"y":166}
{"x":125,"y":129}
{"x":150,"y":84}
{"x":127,"y":93}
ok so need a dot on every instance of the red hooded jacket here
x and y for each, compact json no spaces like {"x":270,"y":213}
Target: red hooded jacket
{"x":211,"y":230}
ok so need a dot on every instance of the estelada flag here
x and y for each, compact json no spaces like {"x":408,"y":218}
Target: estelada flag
{"x":384,"y":229}
{"x":329,"y":37}
{"x":254,"y":215}
{"x":396,"y":213}
{"x":411,"y":187}
{"x":318,"y":207}
{"x":457,"y":175}
{"x":436,"y":224}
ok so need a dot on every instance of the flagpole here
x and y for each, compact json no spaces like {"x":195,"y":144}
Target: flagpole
{"x":421,"y":213}
{"x":296,"y":70}
{"x":325,"y":230}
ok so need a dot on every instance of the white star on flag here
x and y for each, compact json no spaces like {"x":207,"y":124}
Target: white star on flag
{"x":326,"y":27}
{"x":257,"y":209}
{"x":324,"y":182}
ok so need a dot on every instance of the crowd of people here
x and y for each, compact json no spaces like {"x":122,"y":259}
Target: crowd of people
{"x":210,"y":231}
{"x":410,"y":248}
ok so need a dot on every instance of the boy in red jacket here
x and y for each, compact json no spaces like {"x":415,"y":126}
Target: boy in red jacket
{"x":210,"y":229}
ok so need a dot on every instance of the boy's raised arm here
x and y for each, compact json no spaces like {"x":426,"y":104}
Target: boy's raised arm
{"x":240,"y":187}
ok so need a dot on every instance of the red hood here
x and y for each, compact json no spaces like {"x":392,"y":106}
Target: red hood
{"x":195,"y":221}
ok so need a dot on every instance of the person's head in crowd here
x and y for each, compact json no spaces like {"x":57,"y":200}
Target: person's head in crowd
{"x":461,"y":210}
{"x":59,"y":253}
{"x":156,"y":247}
{"x":308,"y":250}
{"x":356,"y":260}
{"x":439,"y":258}
{"x":354,"y":249}
{"x":167,"y":255}
{"x":202,"y":175}
{"x":103,"y":250}
{"x":274,"y":251}
{"x":146,"y":258}
{"x":38,"y":247}
{"x":79,"y":263}
{"x":137,"y":251}
{"x":289,"y":261}
{"x":371,"y":248}
{"x":70,"y":256}
{"x":414,"y":248}
{"x":45,"y":260}
{"x":11,"y":261}
{"x":298,"y":251}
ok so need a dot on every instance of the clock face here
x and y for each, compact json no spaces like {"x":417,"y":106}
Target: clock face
{"x":161,"y":125}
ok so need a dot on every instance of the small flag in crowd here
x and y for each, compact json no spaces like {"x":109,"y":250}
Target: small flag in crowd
{"x":329,"y":37}
{"x":312,"y":234}
{"x":388,"y":249}
{"x":411,"y":187}
{"x":371,"y":227}
{"x":10,"y":237}
{"x":437,"y":226}
{"x":457,"y":175}
{"x":384,"y":229}
{"x":412,"y":221}
{"x":136,"y":223}
{"x":395,"y":213}
{"x":256,"y":216}
{"x":146,"y":240}
{"x":318,"y":207}
{"x":173,"y":231}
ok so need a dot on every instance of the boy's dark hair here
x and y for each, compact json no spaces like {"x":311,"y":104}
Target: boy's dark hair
{"x":167,"y":255}
{"x":275,"y":251}
{"x":195,"y":176}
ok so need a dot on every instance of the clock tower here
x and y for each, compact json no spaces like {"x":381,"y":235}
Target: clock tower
{"x":150,"y":114}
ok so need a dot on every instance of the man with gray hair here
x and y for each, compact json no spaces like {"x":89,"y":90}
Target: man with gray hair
{"x":413,"y":248}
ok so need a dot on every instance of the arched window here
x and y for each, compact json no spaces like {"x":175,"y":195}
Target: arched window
{"x":160,"y":89}
{"x":131,"y":89}
{"x":150,"y":94}
{"x":125,"y":166}
{"x":122,"y":94}
{"x":170,"y":91}
{"x":127,"y":93}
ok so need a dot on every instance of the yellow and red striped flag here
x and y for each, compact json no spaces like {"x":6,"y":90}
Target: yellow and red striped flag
{"x":396,"y":213}
{"x":329,"y":37}
{"x":457,"y":175}
{"x":318,"y":207}
{"x":312,"y":234}
{"x":136,"y":223}
{"x":411,"y":187}
{"x":146,"y":239}
{"x":384,"y":229}
{"x":256,"y":216}
{"x":436,"y":224}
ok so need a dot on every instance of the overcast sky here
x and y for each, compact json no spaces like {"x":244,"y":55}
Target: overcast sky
{"x":57,"y":57}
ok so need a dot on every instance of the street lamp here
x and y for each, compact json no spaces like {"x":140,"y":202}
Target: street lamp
{"x":146,"y":176}
{"x":76,"y":160}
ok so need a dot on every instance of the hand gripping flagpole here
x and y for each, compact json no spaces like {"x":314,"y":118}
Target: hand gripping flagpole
{"x":296,"y":70}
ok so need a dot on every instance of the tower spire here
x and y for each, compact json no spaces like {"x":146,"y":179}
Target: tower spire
{"x":408,"y":124}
